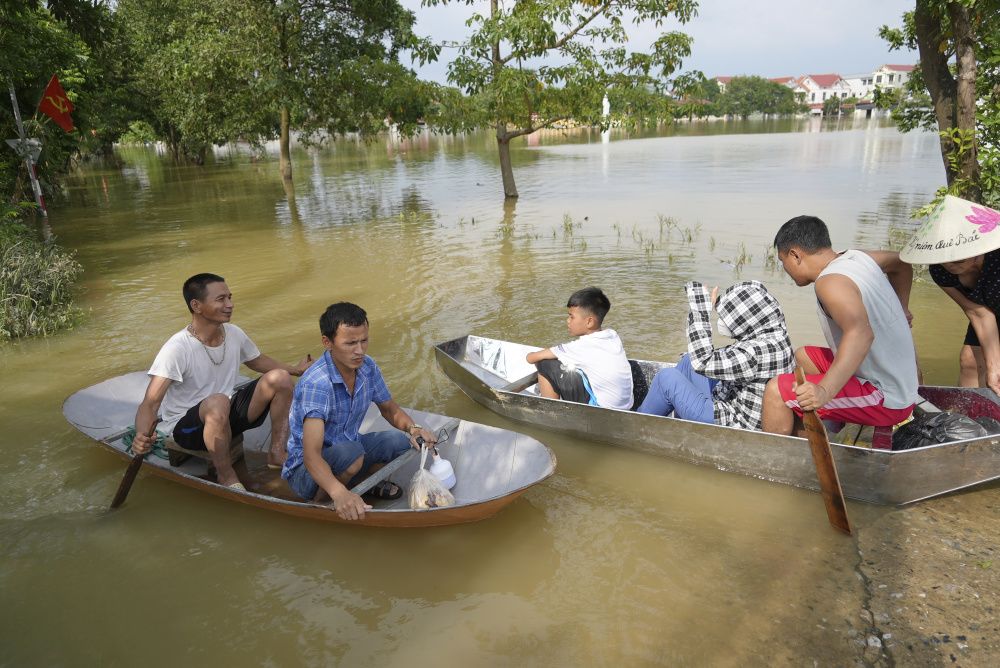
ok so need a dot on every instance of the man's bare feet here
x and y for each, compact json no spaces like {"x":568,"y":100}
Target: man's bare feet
{"x":276,"y":456}
{"x":226,"y":477}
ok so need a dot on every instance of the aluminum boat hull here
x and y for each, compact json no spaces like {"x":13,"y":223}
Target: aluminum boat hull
{"x":488,"y":371}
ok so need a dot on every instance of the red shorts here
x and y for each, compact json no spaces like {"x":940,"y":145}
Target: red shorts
{"x":856,"y":402}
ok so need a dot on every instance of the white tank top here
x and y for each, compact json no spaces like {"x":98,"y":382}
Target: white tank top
{"x":891,"y":364}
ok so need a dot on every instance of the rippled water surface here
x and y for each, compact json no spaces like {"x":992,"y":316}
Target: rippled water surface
{"x":619,"y":558}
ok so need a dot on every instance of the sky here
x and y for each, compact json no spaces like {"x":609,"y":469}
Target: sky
{"x":772,"y":39}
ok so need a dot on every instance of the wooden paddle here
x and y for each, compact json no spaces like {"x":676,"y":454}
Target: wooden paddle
{"x":132,"y":470}
{"x":826,"y":471}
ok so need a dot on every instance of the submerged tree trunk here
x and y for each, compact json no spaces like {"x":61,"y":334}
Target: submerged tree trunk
{"x":965,"y":112}
{"x":954,"y":101}
{"x":286,"y":159}
{"x":506,"y":170}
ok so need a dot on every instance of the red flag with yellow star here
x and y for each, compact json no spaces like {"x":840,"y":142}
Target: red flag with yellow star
{"x":56,"y":105}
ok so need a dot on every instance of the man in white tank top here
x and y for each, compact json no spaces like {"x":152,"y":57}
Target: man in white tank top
{"x":868,"y":374}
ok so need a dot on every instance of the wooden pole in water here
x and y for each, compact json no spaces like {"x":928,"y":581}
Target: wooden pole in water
{"x":826,"y":471}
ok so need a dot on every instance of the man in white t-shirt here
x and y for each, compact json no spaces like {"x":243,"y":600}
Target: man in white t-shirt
{"x":192,"y":378}
{"x":593,"y":369}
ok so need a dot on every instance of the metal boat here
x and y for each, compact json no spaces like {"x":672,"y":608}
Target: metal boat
{"x":494,"y":373}
{"x":492,"y":466}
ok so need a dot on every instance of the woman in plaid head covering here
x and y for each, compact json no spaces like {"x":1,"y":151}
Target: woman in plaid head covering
{"x":725,"y":386}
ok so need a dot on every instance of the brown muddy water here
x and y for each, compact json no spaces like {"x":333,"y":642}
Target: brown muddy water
{"x":620,"y":558}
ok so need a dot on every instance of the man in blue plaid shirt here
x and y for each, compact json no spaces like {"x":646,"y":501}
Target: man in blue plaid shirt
{"x":327,"y":455}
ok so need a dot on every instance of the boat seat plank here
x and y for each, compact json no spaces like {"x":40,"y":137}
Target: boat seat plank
{"x":491,"y":379}
{"x":179,"y":455}
{"x":521,"y":384}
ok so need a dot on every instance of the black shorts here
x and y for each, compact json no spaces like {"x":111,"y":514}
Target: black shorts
{"x":189,"y":432}
{"x":567,"y":383}
{"x":971,"y":339}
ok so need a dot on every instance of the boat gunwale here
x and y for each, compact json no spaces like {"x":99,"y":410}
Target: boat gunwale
{"x":877,"y":473}
{"x":481,"y":508}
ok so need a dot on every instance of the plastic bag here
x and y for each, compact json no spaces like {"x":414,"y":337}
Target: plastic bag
{"x":991,"y":426}
{"x":933,"y":428}
{"x":426,"y":489}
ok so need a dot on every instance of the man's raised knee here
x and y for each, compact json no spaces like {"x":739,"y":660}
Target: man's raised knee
{"x":353,"y":469}
{"x":215,"y":406}
{"x":279,"y":380}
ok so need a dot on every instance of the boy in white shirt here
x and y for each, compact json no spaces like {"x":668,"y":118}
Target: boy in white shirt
{"x":593,"y":369}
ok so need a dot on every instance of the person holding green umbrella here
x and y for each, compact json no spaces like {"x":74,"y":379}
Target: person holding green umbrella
{"x":960,"y":241}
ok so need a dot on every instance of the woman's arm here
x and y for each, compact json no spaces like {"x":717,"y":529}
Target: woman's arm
{"x":984,"y":323}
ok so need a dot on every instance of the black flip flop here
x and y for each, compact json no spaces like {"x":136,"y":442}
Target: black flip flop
{"x":382,"y":493}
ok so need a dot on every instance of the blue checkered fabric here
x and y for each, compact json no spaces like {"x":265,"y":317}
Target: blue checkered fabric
{"x":321,"y":393}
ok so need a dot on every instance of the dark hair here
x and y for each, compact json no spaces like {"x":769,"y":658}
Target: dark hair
{"x":196,"y":287}
{"x":591,"y":299}
{"x":341,"y":313}
{"x":806,"y":232}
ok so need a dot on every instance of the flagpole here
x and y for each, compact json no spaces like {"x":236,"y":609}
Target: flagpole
{"x":28,"y":160}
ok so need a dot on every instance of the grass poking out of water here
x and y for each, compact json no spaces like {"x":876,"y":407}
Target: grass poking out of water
{"x":36,"y":280}
{"x":771,"y":258}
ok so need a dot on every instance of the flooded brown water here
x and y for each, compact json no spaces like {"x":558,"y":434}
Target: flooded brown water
{"x":619,"y":558}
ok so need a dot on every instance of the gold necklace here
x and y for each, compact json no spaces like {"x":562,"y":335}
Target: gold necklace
{"x":203,"y":345}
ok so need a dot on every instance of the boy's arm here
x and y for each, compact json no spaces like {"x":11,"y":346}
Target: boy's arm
{"x":348,"y":505}
{"x":841,"y":299}
{"x":539,"y":355}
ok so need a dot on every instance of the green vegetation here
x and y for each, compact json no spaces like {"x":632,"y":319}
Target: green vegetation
{"x":218,"y":70}
{"x":960,"y":100}
{"x":196,"y":72}
{"x":831,"y":106}
{"x":510,"y":86}
{"x":749,"y":95}
{"x":36,"y":279}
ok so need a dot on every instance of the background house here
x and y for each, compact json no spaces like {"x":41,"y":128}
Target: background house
{"x":891,"y":77}
{"x":862,"y":85}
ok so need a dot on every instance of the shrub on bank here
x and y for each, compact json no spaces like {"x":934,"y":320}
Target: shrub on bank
{"x":36,"y":279}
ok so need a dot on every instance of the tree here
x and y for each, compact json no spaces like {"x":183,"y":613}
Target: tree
{"x":831,"y":106}
{"x":691,"y":94}
{"x":748,"y":95}
{"x":34,"y":45}
{"x":223,"y":69}
{"x":965,"y":97}
{"x":513,"y":88}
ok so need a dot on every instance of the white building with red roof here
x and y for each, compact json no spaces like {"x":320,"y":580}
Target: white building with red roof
{"x":890,"y":77}
{"x":723,"y":82}
{"x":820,"y":87}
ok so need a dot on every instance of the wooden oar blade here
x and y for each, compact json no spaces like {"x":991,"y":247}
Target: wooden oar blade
{"x":127,"y":480}
{"x":132,"y":471}
{"x":826,"y":470}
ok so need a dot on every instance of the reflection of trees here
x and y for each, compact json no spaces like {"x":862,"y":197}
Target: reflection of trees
{"x":889,"y":225}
